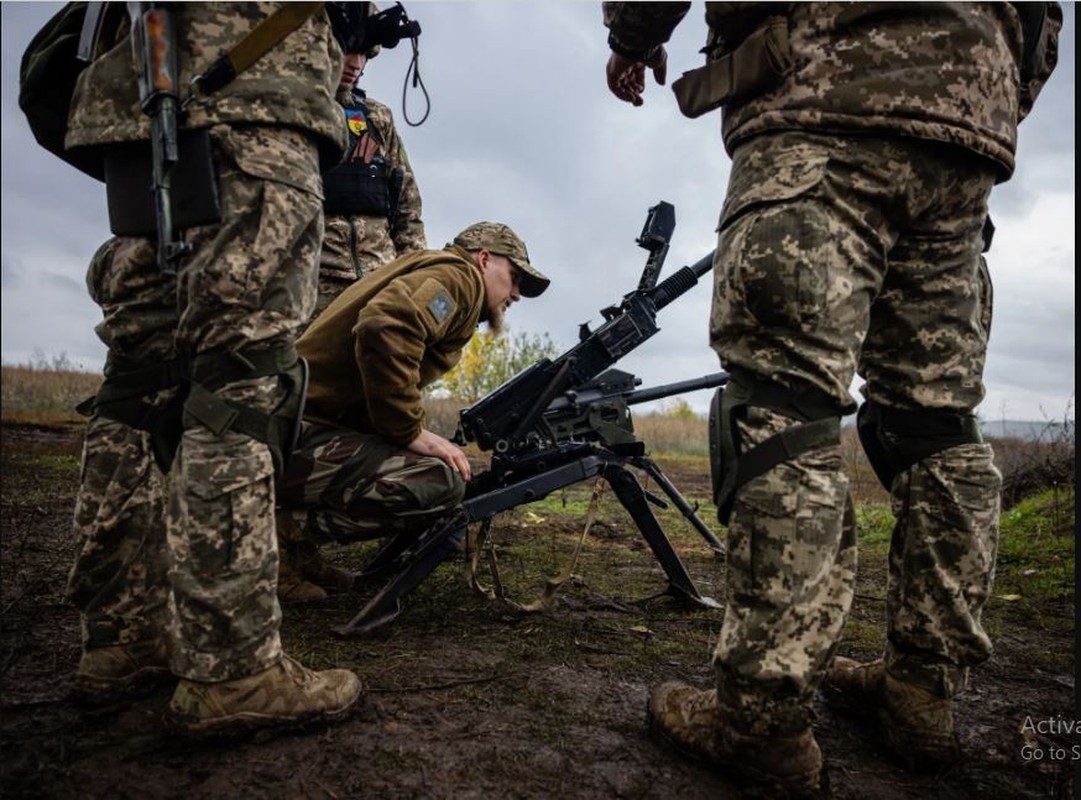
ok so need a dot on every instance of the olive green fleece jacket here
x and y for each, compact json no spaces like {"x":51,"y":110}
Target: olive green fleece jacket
{"x":386,"y":337}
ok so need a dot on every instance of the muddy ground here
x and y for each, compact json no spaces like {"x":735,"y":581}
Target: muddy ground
{"x":467,"y":699}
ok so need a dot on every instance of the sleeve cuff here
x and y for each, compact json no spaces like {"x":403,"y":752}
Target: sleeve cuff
{"x":645,"y":56}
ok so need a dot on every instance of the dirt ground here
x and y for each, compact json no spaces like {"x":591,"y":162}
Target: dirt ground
{"x":466,"y":699}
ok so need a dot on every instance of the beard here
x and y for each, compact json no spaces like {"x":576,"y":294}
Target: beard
{"x":495,"y":322}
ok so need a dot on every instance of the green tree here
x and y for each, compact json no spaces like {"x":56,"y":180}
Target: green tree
{"x":489,"y":361}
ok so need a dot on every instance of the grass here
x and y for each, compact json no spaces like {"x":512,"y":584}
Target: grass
{"x":43,"y":394}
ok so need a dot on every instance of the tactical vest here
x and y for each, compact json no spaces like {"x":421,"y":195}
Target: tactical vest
{"x":354,"y":187}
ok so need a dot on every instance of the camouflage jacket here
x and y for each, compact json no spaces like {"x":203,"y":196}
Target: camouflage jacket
{"x":389,"y":335}
{"x":942,"y":71}
{"x":293,"y":84}
{"x":357,"y":244}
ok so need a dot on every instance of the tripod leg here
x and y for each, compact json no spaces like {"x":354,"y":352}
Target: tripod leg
{"x":633,"y":498}
{"x":430,"y":550}
{"x":680,"y":502}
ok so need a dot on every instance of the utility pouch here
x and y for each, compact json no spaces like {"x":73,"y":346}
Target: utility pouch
{"x":194,"y":190}
{"x":756,"y":65}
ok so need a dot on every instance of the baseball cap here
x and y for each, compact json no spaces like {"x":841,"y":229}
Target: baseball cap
{"x":501,"y":240}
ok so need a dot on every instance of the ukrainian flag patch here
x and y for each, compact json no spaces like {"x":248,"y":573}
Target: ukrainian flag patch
{"x":356,"y":120}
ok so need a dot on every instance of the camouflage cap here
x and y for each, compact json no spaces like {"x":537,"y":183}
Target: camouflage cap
{"x":501,"y":240}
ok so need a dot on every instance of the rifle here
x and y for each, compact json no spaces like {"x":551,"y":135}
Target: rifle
{"x":154,"y":44}
{"x":559,"y":422}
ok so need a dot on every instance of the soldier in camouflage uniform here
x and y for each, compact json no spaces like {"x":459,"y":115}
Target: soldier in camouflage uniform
{"x":176,"y":577}
{"x":372,"y":204}
{"x":865,"y":140}
{"x":365,"y":465}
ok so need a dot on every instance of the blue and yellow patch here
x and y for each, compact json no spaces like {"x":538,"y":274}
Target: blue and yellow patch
{"x":356,"y":120}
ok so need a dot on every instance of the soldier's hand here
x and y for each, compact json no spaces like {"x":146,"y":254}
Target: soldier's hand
{"x":627,"y":77}
{"x":432,"y":444}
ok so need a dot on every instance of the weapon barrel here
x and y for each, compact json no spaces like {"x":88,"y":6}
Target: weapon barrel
{"x":669,"y":389}
{"x":680,"y":281}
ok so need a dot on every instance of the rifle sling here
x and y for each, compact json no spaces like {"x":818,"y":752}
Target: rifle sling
{"x":266,"y":35}
{"x":476,"y":541}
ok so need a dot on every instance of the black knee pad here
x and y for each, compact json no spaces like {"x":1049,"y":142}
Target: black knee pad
{"x":894,"y":439}
{"x":816,"y":424}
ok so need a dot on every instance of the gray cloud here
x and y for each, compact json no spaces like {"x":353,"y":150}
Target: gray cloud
{"x":523,"y":130}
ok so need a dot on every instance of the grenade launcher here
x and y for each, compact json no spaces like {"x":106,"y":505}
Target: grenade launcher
{"x":559,"y":422}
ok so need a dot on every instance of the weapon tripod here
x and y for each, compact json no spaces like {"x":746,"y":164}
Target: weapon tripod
{"x":518,"y":479}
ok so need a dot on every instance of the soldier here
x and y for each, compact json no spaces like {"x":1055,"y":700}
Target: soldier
{"x":865,"y":140}
{"x":372,"y":203}
{"x":177,"y":579}
{"x":365,"y":465}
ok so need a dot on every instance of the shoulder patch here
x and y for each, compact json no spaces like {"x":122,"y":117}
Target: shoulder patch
{"x":441,"y":305}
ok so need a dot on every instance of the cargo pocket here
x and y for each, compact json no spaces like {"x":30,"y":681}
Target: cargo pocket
{"x":793,"y":531}
{"x":777,"y":237}
{"x":263,"y":254}
{"x":230,"y":509}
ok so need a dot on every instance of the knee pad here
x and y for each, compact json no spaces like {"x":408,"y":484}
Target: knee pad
{"x":124,"y":394}
{"x":280,"y":428}
{"x":894,"y":439}
{"x":816,"y":424}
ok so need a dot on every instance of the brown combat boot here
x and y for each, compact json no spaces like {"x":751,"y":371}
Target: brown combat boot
{"x":915,"y":725}
{"x":285,"y":697}
{"x":693,"y":722}
{"x":121,"y":672}
{"x":293,"y":587}
{"x":303,"y":576}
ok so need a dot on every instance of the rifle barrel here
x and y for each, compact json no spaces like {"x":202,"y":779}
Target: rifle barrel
{"x":668,"y":389}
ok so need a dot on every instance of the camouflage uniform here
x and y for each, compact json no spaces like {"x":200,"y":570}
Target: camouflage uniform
{"x":356,"y":244}
{"x":247,"y":284}
{"x":850,"y":241}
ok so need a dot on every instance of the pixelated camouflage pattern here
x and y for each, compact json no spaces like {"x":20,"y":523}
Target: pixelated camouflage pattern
{"x":386,"y":337}
{"x":293,"y":84}
{"x":791,"y":573}
{"x":503,"y":241}
{"x":834,"y":249}
{"x":224,"y":572}
{"x":836,"y":252}
{"x":358,"y":486}
{"x":118,"y":578}
{"x":942,"y":567}
{"x":357,"y":244}
{"x":250,"y":279}
{"x":873,"y":68}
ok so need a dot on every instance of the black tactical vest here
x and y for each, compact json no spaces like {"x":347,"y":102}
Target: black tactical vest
{"x":354,"y":187}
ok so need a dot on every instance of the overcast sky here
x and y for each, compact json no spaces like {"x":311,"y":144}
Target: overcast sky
{"x":523,"y":130}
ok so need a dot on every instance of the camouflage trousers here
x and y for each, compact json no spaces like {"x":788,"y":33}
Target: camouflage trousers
{"x":839,"y":255}
{"x":195,"y":553}
{"x":348,"y":486}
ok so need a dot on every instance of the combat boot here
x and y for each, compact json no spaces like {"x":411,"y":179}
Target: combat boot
{"x":915,"y":725}
{"x":293,"y":587}
{"x":693,"y":722}
{"x":328,"y":576}
{"x":285,"y":697}
{"x":121,"y":672}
